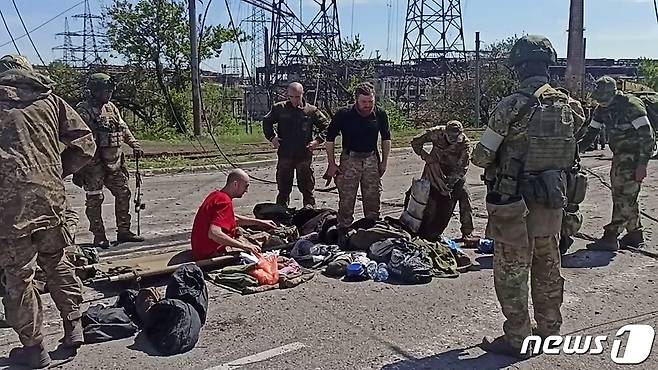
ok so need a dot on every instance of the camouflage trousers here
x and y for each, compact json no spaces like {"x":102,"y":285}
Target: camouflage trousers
{"x":94,"y":177}
{"x":526,"y":246}
{"x":355,"y":171}
{"x":625,"y":192}
{"x":286,"y":168}
{"x":19,"y":259}
{"x":463,"y":196}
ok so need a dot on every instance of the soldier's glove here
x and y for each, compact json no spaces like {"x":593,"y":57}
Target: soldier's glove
{"x":138,"y":153}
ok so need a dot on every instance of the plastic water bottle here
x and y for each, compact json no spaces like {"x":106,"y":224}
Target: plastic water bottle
{"x":372,"y":270}
{"x":382,"y":272}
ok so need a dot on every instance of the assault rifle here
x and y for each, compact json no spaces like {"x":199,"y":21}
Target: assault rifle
{"x":139,"y":206}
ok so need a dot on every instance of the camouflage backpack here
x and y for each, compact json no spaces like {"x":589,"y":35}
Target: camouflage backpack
{"x":650,"y":100}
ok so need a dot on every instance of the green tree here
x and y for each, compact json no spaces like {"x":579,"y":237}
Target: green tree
{"x":69,"y":82}
{"x":649,"y":70}
{"x":153,"y":37}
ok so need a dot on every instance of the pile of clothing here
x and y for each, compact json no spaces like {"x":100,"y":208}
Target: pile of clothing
{"x":259,"y":274}
{"x":172,"y":324}
{"x":368,"y":250}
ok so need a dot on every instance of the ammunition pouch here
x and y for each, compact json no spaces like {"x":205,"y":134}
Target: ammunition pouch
{"x":507,"y":178}
{"x":547,"y":189}
{"x":507,"y":219}
{"x":106,"y":138}
{"x":576,"y":187}
{"x":572,"y":220}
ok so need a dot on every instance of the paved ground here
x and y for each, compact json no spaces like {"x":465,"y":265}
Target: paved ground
{"x":329,"y":324}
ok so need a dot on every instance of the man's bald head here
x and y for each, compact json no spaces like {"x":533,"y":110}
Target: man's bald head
{"x":237,"y":183}
{"x":296,"y":94}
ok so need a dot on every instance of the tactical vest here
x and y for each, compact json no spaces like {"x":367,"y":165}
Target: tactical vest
{"x":551,"y":141}
{"x":534,"y":162}
{"x":108,"y":132}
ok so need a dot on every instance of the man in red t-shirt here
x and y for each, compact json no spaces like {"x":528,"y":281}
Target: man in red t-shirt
{"x":216,"y":225}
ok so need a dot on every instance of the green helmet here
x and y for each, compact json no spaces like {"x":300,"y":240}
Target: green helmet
{"x":15,"y":61}
{"x":532,"y":48}
{"x":100,"y":81}
{"x":605,"y":89}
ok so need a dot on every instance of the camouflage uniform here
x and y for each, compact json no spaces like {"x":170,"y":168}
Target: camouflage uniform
{"x":631,"y":140}
{"x":359,"y":161}
{"x":357,"y":170}
{"x":33,"y":122}
{"x":295,"y":131}
{"x":107,"y":168}
{"x":525,"y":223}
{"x":445,"y":167}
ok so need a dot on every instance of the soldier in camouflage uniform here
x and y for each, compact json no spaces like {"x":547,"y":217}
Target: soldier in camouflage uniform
{"x":107,"y":168}
{"x":526,"y":151}
{"x":630,"y":137}
{"x":293,"y":138}
{"x":445,"y":168}
{"x":360,"y":161}
{"x":33,"y":123}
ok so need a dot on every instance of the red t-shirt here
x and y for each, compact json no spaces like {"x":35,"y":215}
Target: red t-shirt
{"x":216,"y":209}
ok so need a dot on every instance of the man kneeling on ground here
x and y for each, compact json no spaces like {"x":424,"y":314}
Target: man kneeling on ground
{"x":216,"y":226}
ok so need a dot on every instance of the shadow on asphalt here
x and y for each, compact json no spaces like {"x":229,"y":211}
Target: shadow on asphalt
{"x":454,"y":359}
{"x":486,"y":262}
{"x":584,"y":258}
{"x":143,"y":344}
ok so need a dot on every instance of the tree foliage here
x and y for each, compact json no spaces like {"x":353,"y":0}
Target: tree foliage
{"x":649,"y":70}
{"x":153,"y":37}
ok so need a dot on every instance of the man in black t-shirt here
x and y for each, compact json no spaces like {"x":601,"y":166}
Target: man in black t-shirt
{"x":360,"y":163}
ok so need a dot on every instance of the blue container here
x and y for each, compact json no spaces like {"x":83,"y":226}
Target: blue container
{"x":486,"y":246}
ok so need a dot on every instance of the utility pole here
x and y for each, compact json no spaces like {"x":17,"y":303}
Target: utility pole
{"x":575,"y":48}
{"x":194,"y":66}
{"x":477,"y":79}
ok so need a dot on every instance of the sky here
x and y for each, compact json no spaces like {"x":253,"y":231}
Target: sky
{"x":613,"y":28}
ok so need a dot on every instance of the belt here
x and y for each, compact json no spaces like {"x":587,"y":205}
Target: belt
{"x":354,"y":154}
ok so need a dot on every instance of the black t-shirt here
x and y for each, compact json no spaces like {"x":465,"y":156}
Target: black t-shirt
{"x":359,"y":133}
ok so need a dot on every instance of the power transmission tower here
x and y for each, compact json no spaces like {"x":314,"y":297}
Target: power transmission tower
{"x":294,"y":47}
{"x":433,"y":30}
{"x":433,"y":50}
{"x":93,"y":42}
{"x":67,"y":48}
{"x":258,"y":35}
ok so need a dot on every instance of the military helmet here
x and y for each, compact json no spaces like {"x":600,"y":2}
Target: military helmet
{"x":605,"y":89}
{"x":532,"y":48}
{"x":100,"y":81}
{"x":15,"y":61}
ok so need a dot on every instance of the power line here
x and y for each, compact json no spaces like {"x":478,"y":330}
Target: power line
{"x":655,"y":8}
{"x":9,"y":32}
{"x":43,"y":24}
{"x":27,"y":32}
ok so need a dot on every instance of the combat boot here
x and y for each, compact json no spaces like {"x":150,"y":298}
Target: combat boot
{"x":128,"y":237}
{"x":35,"y":357}
{"x":500,"y":346}
{"x":633,"y":239}
{"x":73,"y":336}
{"x":101,"y":241}
{"x":608,"y":242}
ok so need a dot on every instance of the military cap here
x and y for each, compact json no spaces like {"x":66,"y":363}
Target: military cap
{"x":15,"y":61}
{"x":454,"y":126}
{"x":99,"y":81}
{"x":532,"y":48}
{"x":605,"y":89}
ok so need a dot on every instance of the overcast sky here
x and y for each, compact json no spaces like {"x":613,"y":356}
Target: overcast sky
{"x":614,"y":28}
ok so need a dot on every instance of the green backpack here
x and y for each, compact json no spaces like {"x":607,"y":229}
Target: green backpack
{"x":650,"y":100}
